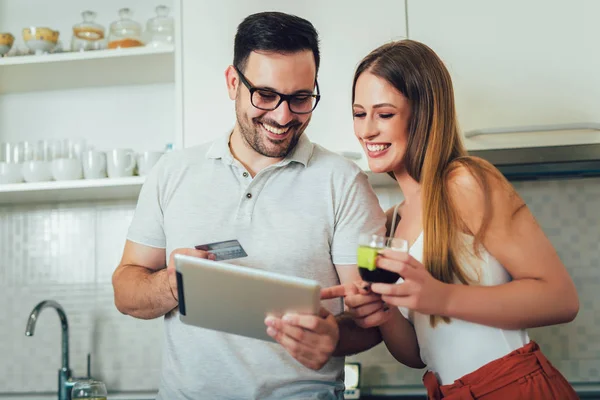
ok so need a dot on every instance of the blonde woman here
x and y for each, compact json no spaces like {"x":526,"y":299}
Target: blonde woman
{"x":480,"y":271}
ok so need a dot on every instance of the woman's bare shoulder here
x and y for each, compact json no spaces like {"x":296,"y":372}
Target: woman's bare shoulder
{"x":478,"y":190}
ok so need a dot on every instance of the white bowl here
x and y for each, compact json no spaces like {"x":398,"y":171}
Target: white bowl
{"x":37,"y":171}
{"x":11,"y":173}
{"x":40,"y":46}
{"x":66,"y":169}
{"x":4,"y":49}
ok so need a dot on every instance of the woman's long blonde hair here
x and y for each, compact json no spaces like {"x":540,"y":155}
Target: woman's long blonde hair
{"x":434,"y":150}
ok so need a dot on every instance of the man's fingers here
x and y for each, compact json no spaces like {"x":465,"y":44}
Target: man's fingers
{"x":361,"y":300}
{"x":332,"y":292}
{"x":200,"y":254}
{"x":297,"y":333}
{"x":346,"y":289}
{"x":307,"y":355}
{"x":314,"y":323}
{"x":194,"y":253}
{"x":343,"y":290}
{"x":363,"y":287}
{"x":294,"y":347}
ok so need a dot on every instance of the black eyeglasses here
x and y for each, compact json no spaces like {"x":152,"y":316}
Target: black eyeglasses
{"x":269,"y":100}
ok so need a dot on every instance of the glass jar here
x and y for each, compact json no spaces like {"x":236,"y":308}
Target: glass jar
{"x":160,"y":29}
{"x":89,"y":390}
{"x":125,"y":32}
{"x":88,"y":35}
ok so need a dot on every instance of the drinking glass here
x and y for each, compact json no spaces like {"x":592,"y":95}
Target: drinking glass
{"x":369,"y":247}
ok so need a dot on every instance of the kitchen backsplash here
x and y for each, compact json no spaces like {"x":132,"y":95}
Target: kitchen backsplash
{"x":68,"y":253}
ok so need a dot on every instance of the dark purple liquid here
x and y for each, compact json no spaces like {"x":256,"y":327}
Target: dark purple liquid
{"x":378,"y":275}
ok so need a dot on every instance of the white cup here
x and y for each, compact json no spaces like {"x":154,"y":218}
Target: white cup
{"x":120,"y":162}
{"x":11,"y":173}
{"x":37,"y":171}
{"x":94,"y":164}
{"x":147,"y":160}
{"x":66,"y":169}
{"x":68,"y":148}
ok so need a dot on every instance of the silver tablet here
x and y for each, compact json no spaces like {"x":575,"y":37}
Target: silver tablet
{"x":235,"y":299}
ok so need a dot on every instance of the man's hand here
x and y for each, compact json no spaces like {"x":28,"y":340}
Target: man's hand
{"x":171,"y":265}
{"x":366,"y":308}
{"x":310,"y":339}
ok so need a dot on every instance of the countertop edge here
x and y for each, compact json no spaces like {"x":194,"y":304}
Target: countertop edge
{"x":582,"y":388}
{"x":585,"y":388}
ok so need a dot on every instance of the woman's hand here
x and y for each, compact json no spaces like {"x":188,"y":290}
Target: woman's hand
{"x":420,"y":291}
{"x":367,"y":309}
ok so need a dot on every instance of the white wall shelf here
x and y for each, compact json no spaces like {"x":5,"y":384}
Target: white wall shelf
{"x":77,"y":190}
{"x":70,"y":70}
{"x":104,"y":189}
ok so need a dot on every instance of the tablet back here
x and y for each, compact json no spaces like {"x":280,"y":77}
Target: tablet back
{"x":235,"y":299}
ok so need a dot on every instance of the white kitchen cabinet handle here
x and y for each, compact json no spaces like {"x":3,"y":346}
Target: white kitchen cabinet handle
{"x":535,"y":128}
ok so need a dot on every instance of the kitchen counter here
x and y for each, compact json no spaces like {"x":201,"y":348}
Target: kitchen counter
{"x":585,"y":390}
{"x":52,"y":396}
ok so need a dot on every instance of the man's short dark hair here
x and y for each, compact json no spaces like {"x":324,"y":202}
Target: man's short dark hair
{"x":274,"y":32}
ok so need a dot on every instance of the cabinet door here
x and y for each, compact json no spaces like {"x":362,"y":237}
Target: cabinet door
{"x":517,"y":63}
{"x":348,"y":31}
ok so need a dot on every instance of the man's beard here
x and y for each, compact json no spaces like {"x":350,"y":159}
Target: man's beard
{"x":259,"y":142}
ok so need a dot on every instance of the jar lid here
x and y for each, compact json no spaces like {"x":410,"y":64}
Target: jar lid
{"x":125,"y":25}
{"x":88,"y":29}
{"x":162,"y":22}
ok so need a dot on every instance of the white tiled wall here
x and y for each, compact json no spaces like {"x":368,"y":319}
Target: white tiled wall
{"x":569,"y":213}
{"x":67,"y":253}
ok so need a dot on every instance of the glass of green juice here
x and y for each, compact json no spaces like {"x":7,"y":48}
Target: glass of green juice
{"x":89,"y":390}
{"x":369,"y":247}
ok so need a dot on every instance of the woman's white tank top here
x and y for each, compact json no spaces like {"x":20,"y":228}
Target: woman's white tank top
{"x":452,"y":350}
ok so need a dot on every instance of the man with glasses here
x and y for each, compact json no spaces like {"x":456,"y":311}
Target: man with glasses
{"x":295,"y":207}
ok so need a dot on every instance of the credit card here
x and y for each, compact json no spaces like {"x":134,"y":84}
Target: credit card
{"x":226,"y":250}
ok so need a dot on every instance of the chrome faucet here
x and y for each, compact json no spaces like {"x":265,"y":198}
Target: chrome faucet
{"x":65,"y":380}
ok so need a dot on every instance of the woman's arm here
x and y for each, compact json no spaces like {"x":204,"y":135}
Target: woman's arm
{"x":541,"y":293}
{"x":366,"y":313}
{"x":401,"y":340}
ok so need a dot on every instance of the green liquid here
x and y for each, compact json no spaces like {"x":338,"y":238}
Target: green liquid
{"x":367,"y":256}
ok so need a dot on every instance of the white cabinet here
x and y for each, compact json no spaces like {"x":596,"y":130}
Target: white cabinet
{"x":124,"y":98}
{"x":517,"y":63}
{"x":348,"y":31}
